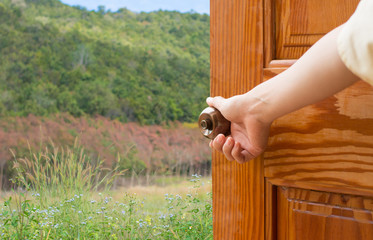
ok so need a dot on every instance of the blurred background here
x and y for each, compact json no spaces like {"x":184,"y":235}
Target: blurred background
{"x":99,"y":102}
{"x":123,"y":80}
{"x":199,"y":6}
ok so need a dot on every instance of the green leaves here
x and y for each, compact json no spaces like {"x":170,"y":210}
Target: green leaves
{"x":146,"y":67}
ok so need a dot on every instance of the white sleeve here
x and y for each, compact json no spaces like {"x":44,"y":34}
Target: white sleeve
{"x":355,"y":42}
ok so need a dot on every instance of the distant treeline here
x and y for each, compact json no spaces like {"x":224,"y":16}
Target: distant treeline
{"x":150,"y":68}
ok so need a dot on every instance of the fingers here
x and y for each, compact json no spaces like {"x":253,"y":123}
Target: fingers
{"x":218,"y":142}
{"x":241,"y":155}
{"x":228,"y":147}
{"x":215,"y":102}
{"x":231,"y":149}
{"x":237,"y":153}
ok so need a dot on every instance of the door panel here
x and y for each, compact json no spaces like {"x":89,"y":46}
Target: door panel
{"x":236,"y":66}
{"x":319,"y":162}
{"x":299,"y":24}
{"x":329,"y":143}
{"x":315,"y":180}
{"x":310,"y":215}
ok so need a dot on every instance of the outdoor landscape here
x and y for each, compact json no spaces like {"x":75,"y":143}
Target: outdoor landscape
{"x":98,"y":130}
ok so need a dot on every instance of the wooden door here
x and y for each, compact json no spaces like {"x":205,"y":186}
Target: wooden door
{"x":315,"y":180}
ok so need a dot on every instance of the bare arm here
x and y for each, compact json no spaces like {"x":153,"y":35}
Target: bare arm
{"x":319,"y":73}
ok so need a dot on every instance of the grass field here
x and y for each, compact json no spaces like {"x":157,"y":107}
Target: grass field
{"x":59,"y":197}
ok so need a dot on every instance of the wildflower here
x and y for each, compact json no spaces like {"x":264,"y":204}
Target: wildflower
{"x":148,"y":219}
{"x":89,"y":218}
{"x":83,"y":223}
{"x":141,"y":224}
{"x":93,"y":201}
{"x":123,"y":212}
{"x":80,"y":212}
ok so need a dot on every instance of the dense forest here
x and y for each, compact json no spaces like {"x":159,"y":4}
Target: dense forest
{"x":150,"y":68}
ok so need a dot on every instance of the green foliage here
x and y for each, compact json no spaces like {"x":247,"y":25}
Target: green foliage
{"x":54,"y":172}
{"x":88,"y":216}
{"x":132,"y":162}
{"x":146,"y":67}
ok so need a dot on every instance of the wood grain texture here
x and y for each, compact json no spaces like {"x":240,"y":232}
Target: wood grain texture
{"x":329,"y":143}
{"x":269,"y":32}
{"x":319,"y":161}
{"x":236,"y":66}
{"x":309,"y":215}
{"x":283,"y":63}
{"x":299,"y":24}
{"x":270,"y":211}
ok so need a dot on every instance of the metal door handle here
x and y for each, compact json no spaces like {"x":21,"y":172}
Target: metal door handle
{"x":211,"y":123}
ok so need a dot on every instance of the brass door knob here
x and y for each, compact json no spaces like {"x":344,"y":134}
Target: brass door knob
{"x":211,"y":122}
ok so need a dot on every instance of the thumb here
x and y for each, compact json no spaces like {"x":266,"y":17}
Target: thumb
{"x":215,"y":102}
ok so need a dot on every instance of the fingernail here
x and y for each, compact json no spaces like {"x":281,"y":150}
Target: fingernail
{"x":209,"y":99}
{"x":219,"y":138}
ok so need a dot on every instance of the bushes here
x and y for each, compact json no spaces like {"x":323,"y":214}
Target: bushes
{"x":145,"y":150}
{"x":157,"y":63}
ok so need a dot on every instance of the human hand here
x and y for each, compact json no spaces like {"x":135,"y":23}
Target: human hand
{"x":249,"y":134}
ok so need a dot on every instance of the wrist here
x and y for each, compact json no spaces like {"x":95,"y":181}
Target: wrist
{"x":260,"y":107}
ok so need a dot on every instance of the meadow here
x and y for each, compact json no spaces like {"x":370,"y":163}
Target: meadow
{"x":60,"y":194}
{"x":130,"y":87}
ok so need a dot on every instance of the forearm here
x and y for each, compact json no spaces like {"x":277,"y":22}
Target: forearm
{"x":319,"y":73}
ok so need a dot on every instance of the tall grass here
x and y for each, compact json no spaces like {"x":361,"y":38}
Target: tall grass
{"x":58,"y":198}
{"x":55,"y":172}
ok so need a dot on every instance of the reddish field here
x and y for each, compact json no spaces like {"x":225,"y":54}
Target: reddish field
{"x":174,"y":149}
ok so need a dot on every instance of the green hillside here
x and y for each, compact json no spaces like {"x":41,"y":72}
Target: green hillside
{"x":150,"y":68}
